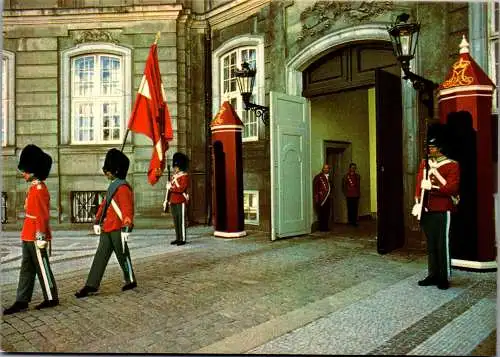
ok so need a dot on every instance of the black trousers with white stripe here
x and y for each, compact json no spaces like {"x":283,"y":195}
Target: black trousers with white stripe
{"x":179,"y":215}
{"x":436,"y":226}
{"x":35,"y":262}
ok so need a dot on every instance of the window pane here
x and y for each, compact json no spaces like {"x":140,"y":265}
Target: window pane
{"x":84,"y":130}
{"x":110,"y":121}
{"x":232,"y":85}
{"x":97,"y":98}
{"x":5,"y":101}
{"x":496,"y":26}
{"x":110,"y":76}
{"x":84,"y":76}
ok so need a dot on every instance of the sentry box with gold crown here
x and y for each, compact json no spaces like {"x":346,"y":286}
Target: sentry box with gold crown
{"x":465,"y":103}
{"x":227,"y":157}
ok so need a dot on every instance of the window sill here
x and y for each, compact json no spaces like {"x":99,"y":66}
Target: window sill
{"x":96,"y":148}
{"x":8,"y":150}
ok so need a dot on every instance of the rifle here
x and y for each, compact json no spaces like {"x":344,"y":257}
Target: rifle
{"x":423,"y":196}
{"x":167,"y":194}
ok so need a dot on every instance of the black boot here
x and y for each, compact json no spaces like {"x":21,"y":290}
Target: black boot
{"x":129,"y":286}
{"x":85,"y":291}
{"x":47,"y":303}
{"x":174,"y":242}
{"x":443,"y":285}
{"x":18,"y":306}
{"x":427,"y":281}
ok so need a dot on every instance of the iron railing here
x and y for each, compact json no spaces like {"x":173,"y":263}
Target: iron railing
{"x":3,"y":212}
{"x":84,"y":205}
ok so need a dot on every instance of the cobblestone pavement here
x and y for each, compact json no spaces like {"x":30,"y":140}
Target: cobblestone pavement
{"x":315,"y":294}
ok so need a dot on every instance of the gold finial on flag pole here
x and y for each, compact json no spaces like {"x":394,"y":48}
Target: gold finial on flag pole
{"x":157,"y":37}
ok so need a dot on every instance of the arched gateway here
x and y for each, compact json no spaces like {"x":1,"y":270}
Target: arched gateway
{"x":293,"y":214}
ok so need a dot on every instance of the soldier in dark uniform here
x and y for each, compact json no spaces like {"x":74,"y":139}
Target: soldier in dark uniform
{"x":114,"y":222}
{"x":322,"y":194}
{"x":351,"y":186}
{"x":177,"y":196}
{"x":442,"y":186}
{"x":36,"y":234}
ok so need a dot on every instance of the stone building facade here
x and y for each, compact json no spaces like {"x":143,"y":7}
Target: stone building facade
{"x":326,"y":52}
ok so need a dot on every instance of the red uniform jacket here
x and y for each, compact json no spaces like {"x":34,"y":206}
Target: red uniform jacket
{"x":178,"y":190}
{"x":445,"y":174}
{"x":124,"y":200}
{"x":37,"y":208}
{"x":351,"y":184}
{"x":321,"y":188}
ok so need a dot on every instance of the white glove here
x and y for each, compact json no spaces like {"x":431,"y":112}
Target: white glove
{"x":124,"y":239}
{"x":165,"y":203}
{"x":169,"y":185}
{"x":41,"y":244}
{"x":125,"y":236}
{"x":426,"y":184}
{"x":417,"y":208}
{"x":97,"y":229}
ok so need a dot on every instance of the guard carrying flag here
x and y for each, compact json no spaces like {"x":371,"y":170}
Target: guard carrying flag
{"x":177,"y":196}
{"x":36,"y":235}
{"x":114,"y":222}
{"x":150,"y":115}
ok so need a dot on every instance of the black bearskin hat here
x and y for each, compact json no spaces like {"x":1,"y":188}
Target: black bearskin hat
{"x":436,"y":135}
{"x":180,"y":160}
{"x":34,"y":161}
{"x":117,"y":163}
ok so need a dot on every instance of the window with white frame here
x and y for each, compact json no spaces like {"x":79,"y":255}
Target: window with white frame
{"x":229,"y":62}
{"x":96,"y":94}
{"x":494,"y":47}
{"x":8,"y":115}
{"x":251,"y":206}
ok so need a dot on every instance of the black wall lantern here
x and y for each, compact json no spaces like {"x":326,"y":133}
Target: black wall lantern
{"x":404,"y":38}
{"x":246,"y":80}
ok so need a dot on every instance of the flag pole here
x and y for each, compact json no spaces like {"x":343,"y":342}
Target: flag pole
{"x":157,"y":37}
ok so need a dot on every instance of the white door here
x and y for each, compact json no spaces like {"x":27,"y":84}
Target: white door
{"x":291,"y":187}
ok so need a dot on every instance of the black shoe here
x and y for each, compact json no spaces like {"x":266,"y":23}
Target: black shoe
{"x":443,"y":285}
{"x":174,"y":242}
{"x":47,"y":303}
{"x":85,"y":291}
{"x":16,"y":307}
{"x":129,"y":286}
{"x":427,"y":281}
{"x":181,"y":243}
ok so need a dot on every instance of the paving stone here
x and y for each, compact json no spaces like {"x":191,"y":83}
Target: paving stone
{"x":214,"y":289}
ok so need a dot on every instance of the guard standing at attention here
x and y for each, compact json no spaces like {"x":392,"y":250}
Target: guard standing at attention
{"x":321,"y":196}
{"x":435,"y":207}
{"x":114,"y":222}
{"x":36,"y":235}
{"x":177,"y":196}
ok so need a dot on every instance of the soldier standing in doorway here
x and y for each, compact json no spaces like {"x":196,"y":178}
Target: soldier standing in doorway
{"x":322,"y":194}
{"x":114,"y":222}
{"x":177,"y":196}
{"x":442,"y":187}
{"x":351,"y":186}
{"x":36,"y":234}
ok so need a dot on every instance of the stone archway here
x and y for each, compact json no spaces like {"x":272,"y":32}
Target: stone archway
{"x":367,"y":32}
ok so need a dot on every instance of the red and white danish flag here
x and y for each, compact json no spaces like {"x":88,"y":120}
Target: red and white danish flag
{"x":150,"y":115}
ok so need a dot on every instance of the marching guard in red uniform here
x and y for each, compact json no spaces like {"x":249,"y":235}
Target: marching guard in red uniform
{"x":35,"y":166}
{"x":114,"y":222}
{"x":435,"y":199}
{"x":321,"y":193}
{"x":177,"y":196}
